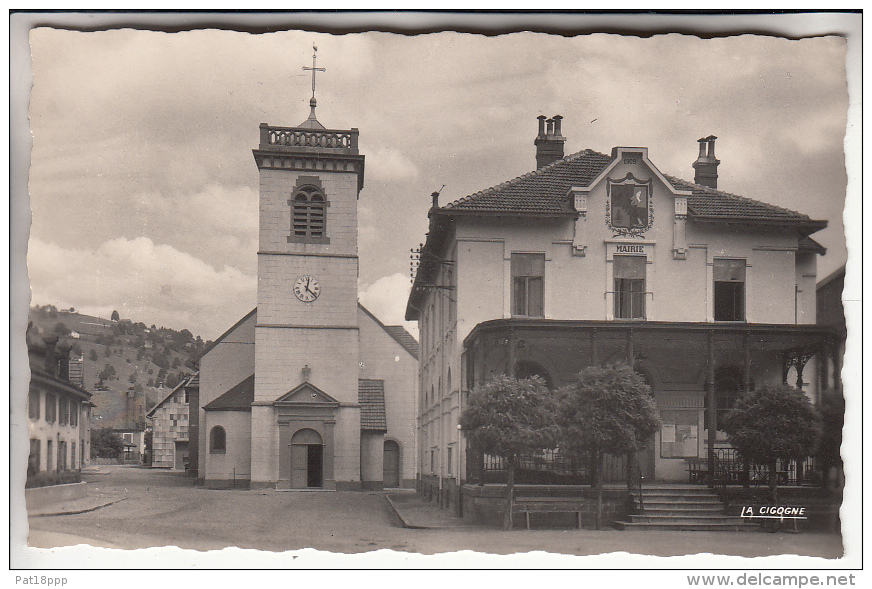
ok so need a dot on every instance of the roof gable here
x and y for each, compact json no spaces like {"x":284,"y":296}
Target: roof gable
{"x":188,"y":381}
{"x":544,"y":192}
{"x":238,"y":398}
{"x":406,"y":340}
{"x":306,"y":394}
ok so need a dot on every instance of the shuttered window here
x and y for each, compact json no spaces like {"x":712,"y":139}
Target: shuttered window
{"x":309,"y":215}
{"x":528,"y":289}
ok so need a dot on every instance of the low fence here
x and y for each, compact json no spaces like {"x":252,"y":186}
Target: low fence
{"x":732,"y":469}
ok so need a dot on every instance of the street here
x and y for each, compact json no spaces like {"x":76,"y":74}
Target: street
{"x":164,"y":508}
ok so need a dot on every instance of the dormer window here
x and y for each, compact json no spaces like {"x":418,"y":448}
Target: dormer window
{"x":308,"y":212}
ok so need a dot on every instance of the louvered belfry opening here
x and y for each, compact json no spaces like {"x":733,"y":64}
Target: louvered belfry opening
{"x":309,"y":217}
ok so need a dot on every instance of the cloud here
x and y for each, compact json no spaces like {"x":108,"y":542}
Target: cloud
{"x":389,"y":164}
{"x":148,"y":282}
{"x":386,"y":298}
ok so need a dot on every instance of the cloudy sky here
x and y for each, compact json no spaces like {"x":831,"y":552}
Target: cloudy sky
{"x":143,"y":188}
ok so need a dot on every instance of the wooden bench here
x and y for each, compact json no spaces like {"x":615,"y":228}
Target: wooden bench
{"x":549,"y":505}
{"x":697,"y":470}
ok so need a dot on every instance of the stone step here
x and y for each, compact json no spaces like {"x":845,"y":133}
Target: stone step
{"x":677,"y":510}
{"x":687,"y":519}
{"x":678,"y":492}
{"x":685,"y":501}
{"x":697,"y":527}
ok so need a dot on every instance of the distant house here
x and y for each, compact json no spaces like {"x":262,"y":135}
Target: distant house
{"x":58,"y":411}
{"x":170,"y":420}
{"x":124,"y":414}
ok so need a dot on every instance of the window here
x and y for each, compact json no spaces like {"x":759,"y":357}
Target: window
{"x":449,"y":459}
{"x":62,"y":456}
{"x":74,"y":413}
{"x":64,"y":411}
{"x":729,"y":290}
{"x":309,"y":214}
{"x":528,"y":275}
{"x":128,"y":437}
{"x":217,"y":440}
{"x":33,"y":405}
{"x":73,"y":464}
{"x":33,"y":459}
{"x":51,"y":408}
{"x":49,"y":447}
{"x":629,"y":272}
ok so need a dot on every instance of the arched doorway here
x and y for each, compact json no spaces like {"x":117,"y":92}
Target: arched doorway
{"x":391,"y":464}
{"x":307,"y":459}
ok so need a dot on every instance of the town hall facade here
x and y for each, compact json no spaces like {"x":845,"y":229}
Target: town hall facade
{"x":600,"y":258}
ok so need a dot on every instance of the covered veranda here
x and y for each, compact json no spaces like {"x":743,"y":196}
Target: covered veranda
{"x":695,"y":370}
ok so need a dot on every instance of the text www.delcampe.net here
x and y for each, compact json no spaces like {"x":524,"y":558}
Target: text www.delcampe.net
{"x":767,"y":580}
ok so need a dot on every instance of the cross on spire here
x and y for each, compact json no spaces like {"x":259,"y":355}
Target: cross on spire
{"x":313,"y":68}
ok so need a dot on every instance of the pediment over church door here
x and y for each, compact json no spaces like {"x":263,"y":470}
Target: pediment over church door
{"x":306,"y":394}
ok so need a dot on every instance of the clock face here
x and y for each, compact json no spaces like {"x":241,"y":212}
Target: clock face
{"x":307,"y":288}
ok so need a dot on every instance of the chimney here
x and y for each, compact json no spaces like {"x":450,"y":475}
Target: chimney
{"x":549,"y":141}
{"x":51,"y":354}
{"x":706,"y":164}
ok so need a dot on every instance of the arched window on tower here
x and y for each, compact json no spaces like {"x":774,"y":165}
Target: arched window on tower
{"x":308,"y":214}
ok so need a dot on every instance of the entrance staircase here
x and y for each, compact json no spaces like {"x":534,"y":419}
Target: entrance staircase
{"x":683,"y":507}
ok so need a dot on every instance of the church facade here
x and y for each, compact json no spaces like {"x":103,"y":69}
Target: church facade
{"x":309,"y":390}
{"x":601,"y":258}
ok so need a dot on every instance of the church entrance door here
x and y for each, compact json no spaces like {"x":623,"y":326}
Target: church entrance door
{"x":307,"y":460}
{"x":391,"y":464}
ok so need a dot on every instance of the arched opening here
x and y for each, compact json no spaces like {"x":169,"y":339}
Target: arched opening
{"x":527,"y":368}
{"x":307,"y":459}
{"x":391,"y":463}
{"x":309,"y":212}
{"x":217,"y":440}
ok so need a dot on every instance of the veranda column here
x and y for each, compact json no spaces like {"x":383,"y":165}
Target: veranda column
{"x":711,"y":411}
{"x":746,"y":388}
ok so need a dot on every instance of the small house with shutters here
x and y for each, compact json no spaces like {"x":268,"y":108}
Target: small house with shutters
{"x":171,"y":428}
{"x":58,"y":410}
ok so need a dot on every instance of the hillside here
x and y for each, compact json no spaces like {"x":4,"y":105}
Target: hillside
{"x":123,"y":361}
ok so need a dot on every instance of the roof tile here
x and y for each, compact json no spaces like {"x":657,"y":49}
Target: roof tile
{"x":544,"y":192}
{"x":371,"y":395}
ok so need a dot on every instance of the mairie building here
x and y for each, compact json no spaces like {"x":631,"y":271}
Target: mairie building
{"x":309,"y":390}
{"x":599,"y":258}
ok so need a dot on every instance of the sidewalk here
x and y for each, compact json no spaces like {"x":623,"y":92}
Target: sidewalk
{"x":94,"y":499}
{"x":417,"y":513}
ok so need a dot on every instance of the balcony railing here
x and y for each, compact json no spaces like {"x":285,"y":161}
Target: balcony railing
{"x":298,"y":137}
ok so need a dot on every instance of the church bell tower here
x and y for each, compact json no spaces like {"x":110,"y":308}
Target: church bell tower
{"x":307,"y":334}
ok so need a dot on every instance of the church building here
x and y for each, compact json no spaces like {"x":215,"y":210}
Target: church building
{"x":310,"y":389}
{"x":598,"y":258}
